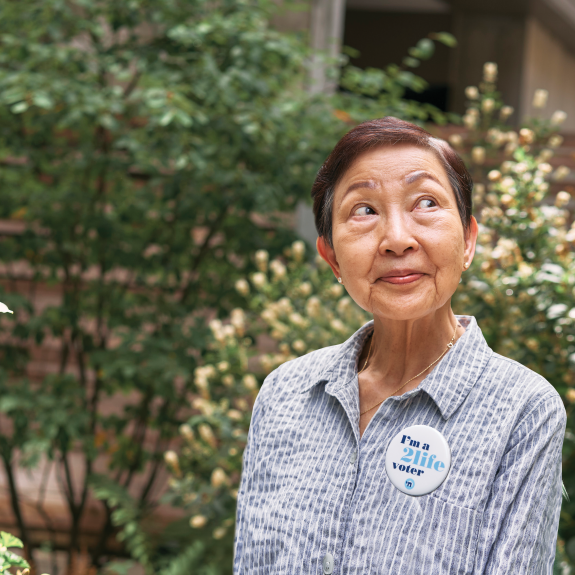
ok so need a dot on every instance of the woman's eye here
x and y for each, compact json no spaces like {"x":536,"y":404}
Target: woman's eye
{"x":364,"y":211}
{"x":427,"y":203}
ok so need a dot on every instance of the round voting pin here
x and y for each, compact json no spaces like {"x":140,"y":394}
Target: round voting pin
{"x":418,"y":460}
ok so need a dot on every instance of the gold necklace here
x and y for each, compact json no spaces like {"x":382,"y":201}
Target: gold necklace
{"x":449,"y":346}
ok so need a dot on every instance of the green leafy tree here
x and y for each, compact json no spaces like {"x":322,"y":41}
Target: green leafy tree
{"x":146,"y":149}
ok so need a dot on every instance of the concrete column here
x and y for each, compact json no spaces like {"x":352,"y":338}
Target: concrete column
{"x":326,"y":33}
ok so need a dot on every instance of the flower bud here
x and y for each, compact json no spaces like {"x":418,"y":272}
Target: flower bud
{"x":336,"y":290}
{"x":505,"y":112}
{"x":219,"y":532}
{"x":456,"y":140}
{"x":219,"y":477}
{"x":313,"y":307}
{"x":526,"y":136}
{"x":243,"y":287}
{"x":203,"y":405}
{"x":338,"y":325}
{"x":561,"y":173}
{"x":298,"y":250}
{"x":235,"y":415}
{"x":223,"y":366}
{"x":343,"y":305}
{"x":269,"y":315}
{"x":490,"y":72}
{"x":284,"y":305}
{"x":555,"y":141}
{"x":259,"y":280}
{"x":494,"y":175}
{"x":278,"y":269}
{"x":470,"y":121}
{"x":172,"y":461}
{"x":487,"y":105}
{"x":198,"y":521}
{"x":478,"y":154}
{"x":250,"y":382}
{"x":496,"y":136}
{"x":299,"y":345}
{"x":261,"y":258}
{"x":558,"y":117}
{"x":207,"y":434}
{"x":304,"y":288}
{"x":238,"y":319}
{"x":532,"y":344}
{"x":472,"y":92}
{"x":570,"y":395}
{"x":562,"y":199}
{"x":297,"y":320}
{"x":540,"y":98}
{"x":512,"y":136}
{"x":187,"y":432}
{"x":544,"y":155}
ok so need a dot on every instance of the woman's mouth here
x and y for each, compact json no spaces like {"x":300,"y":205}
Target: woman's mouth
{"x":401,"y":276}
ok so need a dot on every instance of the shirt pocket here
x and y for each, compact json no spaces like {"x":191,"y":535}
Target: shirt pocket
{"x":447,"y":541}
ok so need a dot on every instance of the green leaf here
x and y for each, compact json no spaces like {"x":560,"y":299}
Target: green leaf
{"x":9,"y":540}
{"x":351,"y":52}
{"x":411,"y":62}
{"x":19,"y":107}
{"x":425,"y":48}
{"x":445,"y":38}
{"x":167,"y":118}
{"x":42,"y":100}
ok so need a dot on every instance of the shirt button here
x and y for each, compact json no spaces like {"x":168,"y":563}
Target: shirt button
{"x":353,"y":457}
{"x":328,"y":564}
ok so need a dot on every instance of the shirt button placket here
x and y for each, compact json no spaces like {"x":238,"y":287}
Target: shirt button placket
{"x":328,"y":564}
{"x":353,"y":457}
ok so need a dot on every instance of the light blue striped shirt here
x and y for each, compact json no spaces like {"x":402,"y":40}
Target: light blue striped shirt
{"x":311,"y":487}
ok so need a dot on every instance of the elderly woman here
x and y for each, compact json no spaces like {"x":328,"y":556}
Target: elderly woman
{"x":412,"y":447}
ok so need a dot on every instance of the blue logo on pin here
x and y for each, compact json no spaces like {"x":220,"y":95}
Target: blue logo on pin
{"x":410,"y":484}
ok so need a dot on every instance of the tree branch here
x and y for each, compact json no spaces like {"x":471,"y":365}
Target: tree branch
{"x":214,"y":227}
{"x":15,"y":501}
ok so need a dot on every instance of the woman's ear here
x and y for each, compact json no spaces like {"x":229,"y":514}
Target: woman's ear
{"x":470,"y":241}
{"x":328,"y":254}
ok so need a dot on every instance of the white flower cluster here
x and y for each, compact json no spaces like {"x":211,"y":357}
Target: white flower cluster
{"x":202,"y":375}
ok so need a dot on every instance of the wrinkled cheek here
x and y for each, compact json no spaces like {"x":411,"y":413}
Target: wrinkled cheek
{"x":361,"y":292}
{"x":448,"y":276}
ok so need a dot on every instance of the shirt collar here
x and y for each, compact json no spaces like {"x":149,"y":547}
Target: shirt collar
{"x":448,"y":384}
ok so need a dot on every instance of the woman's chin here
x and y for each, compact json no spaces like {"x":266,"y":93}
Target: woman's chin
{"x":403,"y":308}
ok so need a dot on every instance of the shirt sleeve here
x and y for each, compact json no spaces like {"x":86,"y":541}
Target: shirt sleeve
{"x":247,"y":474}
{"x":521,"y":519}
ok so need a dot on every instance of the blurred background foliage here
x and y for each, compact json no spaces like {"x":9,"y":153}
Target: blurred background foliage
{"x":153,"y":154}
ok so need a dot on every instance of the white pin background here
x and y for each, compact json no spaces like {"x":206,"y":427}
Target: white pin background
{"x":412,"y":468}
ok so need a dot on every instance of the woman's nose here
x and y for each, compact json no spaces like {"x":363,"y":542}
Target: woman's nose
{"x":396,"y":235}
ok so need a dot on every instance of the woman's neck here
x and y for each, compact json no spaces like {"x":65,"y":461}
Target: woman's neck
{"x":400,"y":349}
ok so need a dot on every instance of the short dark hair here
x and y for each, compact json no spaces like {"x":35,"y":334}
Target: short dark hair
{"x":387,"y":131}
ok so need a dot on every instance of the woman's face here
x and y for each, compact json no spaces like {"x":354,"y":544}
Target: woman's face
{"x":398,"y":241}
